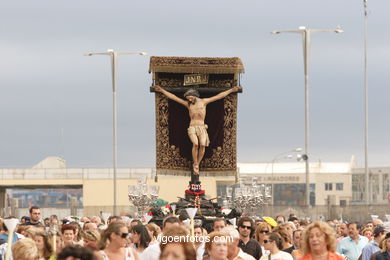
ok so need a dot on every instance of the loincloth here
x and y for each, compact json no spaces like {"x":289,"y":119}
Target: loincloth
{"x":200,"y":132}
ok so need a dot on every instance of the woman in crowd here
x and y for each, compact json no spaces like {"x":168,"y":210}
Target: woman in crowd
{"x":273,"y":243}
{"x":385,"y":251}
{"x":319,"y":242}
{"x":116,"y":234}
{"x":31,"y":230}
{"x":91,"y":239}
{"x":297,"y":253}
{"x":23,"y":230}
{"x":25,"y":249}
{"x":261,"y":232}
{"x":181,"y":250}
{"x":284,"y":232}
{"x":140,"y":238}
{"x":44,"y":247}
{"x":154,"y":231}
{"x":78,"y":235}
{"x":216,"y":246}
{"x":367,"y":232}
{"x":68,"y":234}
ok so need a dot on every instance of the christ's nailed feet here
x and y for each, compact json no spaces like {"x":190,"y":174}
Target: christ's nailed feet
{"x":196,"y":170}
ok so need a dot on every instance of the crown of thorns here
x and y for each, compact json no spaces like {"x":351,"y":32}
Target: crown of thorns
{"x":192,"y":92}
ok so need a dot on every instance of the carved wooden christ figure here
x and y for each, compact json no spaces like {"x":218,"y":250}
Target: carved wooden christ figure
{"x":197,"y":130}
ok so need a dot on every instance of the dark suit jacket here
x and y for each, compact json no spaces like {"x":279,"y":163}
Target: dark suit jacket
{"x":383,"y":256}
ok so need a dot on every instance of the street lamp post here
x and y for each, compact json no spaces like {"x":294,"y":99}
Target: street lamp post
{"x":114,"y":56}
{"x":306,"y":52}
{"x":368,"y":190}
{"x":276,"y":157}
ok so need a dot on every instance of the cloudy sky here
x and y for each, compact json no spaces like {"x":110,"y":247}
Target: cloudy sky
{"x":56,"y":102}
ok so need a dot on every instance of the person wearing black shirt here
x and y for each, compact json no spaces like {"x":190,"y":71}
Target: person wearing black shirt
{"x":35,"y":216}
{"x":247,"y":243}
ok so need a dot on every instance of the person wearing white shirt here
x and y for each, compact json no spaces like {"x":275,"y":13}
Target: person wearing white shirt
{"x":235,"y":252}
{"x":273,"y":243}
{"x":199,"y":242}
{"x":153,"y":252}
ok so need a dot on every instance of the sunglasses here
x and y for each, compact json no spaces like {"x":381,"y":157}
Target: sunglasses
{"x":264,"y":231}
{"x":246,"y":227}
{"x":125,"y":235}
{"x":266,"y":241}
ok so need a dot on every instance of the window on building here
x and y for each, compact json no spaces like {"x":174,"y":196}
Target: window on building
{"x":386,"y":186}
{"x":339,"y":186}
{"x":289,"y":194}
{"x":358,"y":187}
{"x":312,"y":194}
{"x":328,"y":186}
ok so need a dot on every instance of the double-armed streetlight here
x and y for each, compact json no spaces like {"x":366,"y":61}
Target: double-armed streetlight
{"x":286,"y":155}
{"x":114,"y":57}
{"x":306,"y":33}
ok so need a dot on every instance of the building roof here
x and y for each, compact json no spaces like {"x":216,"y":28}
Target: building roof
{"x":298,"y":167}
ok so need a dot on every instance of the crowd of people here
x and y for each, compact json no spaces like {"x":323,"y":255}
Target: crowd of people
{"x":263,"y":238}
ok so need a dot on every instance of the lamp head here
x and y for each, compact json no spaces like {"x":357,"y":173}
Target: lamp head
{"x":88,"y":54}
{"x":338,"y":30}
{"x":143,"y":53}
{"x":302,"y":28}
{"x":110,"y":50}
{"x":275,"y":32}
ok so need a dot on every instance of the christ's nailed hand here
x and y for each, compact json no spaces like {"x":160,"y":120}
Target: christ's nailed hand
{"x":236,"y":88}
{"x":157,"y":88}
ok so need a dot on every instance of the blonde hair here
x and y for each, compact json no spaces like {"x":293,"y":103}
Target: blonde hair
{"x":47,"y":250}
{"x":91,"y":235}
{"x":384,"y":245}
{"x":31,"y":231}
{"x":366,"y":230}
{"x":284,"y":233}
{"x":154,"y":228}
{"x":330,"y":236}
{"x":113,"y":227}
{"x":188,"y":247}
{"x":211,"y":238}
{"x":25,"y":249}
{"x":261,"y":226}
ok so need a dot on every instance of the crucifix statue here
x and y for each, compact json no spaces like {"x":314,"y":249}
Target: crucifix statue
{"x":197,"y":130}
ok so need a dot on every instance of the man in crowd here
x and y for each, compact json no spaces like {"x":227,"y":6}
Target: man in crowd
{"x":54,"y":220}
{"x":90,"y":226}
{"x":295,"y":221}
{"x":97,"y":220}
{"x":373,"y":246}
{"x":343,"y":231}
{"x":296,"y":238}
{"x":219,"y":224}
{"x":235,"y":252}
{"x":377,"y":222}
{"x":246,"y":243}
{"x":153,"y":252}
{"x":351,"y":247}
{"x":35,"y":216}
{"x":113,"y":219}
{"x":199,"y":242}
{"x":280,"y":219}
